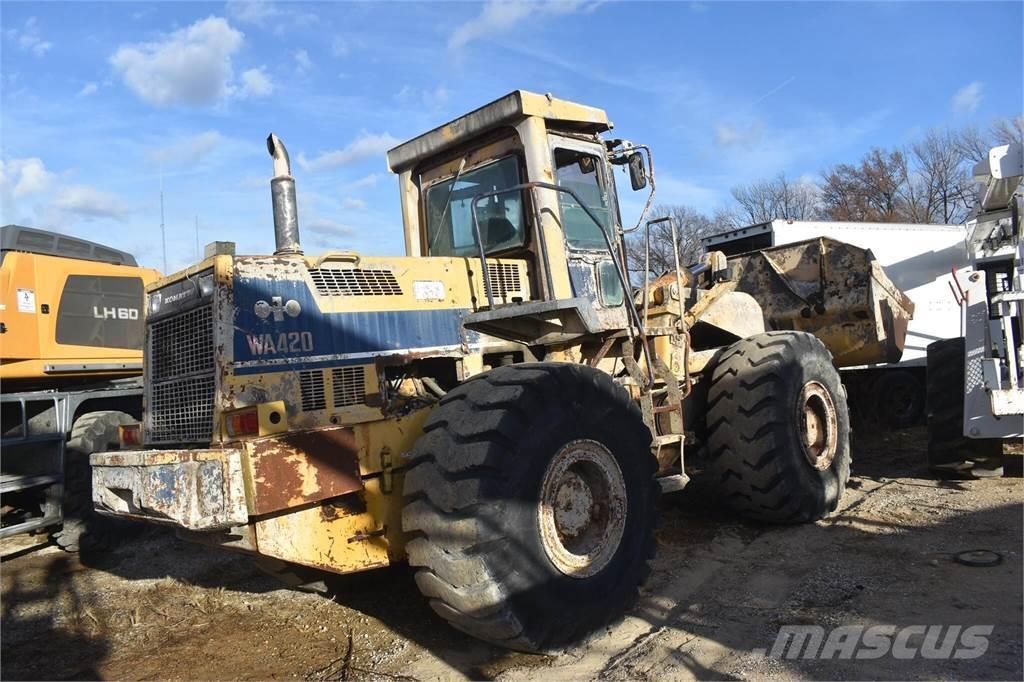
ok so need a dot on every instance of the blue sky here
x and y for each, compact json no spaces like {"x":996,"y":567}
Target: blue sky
{"x":98,"y":100}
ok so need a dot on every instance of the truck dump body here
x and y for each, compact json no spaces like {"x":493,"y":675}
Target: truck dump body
{"x":834,"y":290}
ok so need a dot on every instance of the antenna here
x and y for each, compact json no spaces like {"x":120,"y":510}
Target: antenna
{"x":197,"y":238}
{"x":163,"y":232}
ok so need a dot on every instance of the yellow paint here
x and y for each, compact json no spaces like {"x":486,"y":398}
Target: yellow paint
{"x":322,"y":536}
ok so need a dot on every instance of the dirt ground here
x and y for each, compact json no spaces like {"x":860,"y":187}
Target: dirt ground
{"x":162,"y":608}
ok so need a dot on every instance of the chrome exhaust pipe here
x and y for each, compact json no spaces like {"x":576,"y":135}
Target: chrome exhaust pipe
{"x":282,"y":194}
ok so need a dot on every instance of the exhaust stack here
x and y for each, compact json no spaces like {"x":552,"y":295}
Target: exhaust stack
{"x":282,"y":194}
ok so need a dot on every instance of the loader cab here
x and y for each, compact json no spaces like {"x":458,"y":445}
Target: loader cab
{"x":481,"y":160}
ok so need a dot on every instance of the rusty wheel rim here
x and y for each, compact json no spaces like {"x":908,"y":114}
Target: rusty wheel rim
{"x":818,"y":426}
{"x":582,"y":508}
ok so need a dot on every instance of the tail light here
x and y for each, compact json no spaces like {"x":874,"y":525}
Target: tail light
{"x":129,"y":435}
{"x":244,"y":422}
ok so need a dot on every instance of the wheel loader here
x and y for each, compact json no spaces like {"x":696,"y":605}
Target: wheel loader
{"x":500,"y":407}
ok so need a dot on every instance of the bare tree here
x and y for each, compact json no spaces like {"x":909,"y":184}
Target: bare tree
{"x":780,"y":197}
{"x":943,"y":177}
{"x":692,"y":225}
{"x":873,"y":191}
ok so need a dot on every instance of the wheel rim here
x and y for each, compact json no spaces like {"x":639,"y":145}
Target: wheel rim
{"x":818,"y":425}
{"x":582,"y":508}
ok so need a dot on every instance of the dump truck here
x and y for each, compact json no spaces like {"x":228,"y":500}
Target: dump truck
{"x":918,"y":259}
{"x":500,"y":407}
{"x":71,"y":331}
{"x":975,"y":391}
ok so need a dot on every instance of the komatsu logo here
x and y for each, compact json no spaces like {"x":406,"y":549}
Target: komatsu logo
{"x":285,"y":342}
{"x":115,"y":313}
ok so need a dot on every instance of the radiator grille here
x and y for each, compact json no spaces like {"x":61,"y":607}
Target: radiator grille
{"x":311,"y":384}
{"x":504,"y":278}
{"x":354,"y":282}
{"x":181,"y":411}
{"x":180,"y":382}
{"x":181,"y":345}
{"x":349,"y":386}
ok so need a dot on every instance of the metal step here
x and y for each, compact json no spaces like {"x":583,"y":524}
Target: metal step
{"x":10,"y":483}
{"x":673,"y":483}
{"x":670,"y":439}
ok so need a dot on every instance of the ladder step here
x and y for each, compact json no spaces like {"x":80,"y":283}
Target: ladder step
{"x":673,"y":483}
{"x":670,"y":439}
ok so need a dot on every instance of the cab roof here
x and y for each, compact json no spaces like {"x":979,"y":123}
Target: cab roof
{"x":31,"y":240}
{"x":502,"y":111}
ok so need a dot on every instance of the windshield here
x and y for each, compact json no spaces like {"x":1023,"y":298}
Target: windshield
{"x":450,"y":225}
{"x":581,"y":172}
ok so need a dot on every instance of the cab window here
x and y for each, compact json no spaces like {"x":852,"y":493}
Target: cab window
{"x":448,"y":206}
{"x":581,"y":172}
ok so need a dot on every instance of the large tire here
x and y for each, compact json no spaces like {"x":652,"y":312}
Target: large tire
{"x":493,"y":484}
{"x":769,"y":396}
{"x":950,"y":452}
{"x":899,"y":399}
{"x":84,"y":529}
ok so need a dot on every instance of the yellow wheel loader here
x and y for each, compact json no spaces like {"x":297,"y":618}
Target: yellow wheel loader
{"x":500,"y":407}
{"x":71,"y":331}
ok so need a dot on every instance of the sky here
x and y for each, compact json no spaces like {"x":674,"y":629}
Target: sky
{"x":100,"y":103}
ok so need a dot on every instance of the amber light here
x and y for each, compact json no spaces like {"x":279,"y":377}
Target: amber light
{"x":129,"y":435}
{"x":243,"y":422}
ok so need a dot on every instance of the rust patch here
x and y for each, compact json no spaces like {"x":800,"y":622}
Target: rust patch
{"x":303,"y":467}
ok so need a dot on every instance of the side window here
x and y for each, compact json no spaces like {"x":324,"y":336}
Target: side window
{"x":450,"y":223}
{"x":103,"y":312}
{"x":581,"y":172}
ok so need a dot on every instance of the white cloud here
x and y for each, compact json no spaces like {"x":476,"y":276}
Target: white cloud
{"x":353,"y":204}
{"x":501,"y":15}
{"x":88,"y":89}
{"x":24,"y":176}
{"x":188,"y":151}
{"x":432,"y":99}
{"x":191,"y":66}
{"x":323,"y":226}
{"x":364,"y":182}
{"x":302,"y":61}
{"x":89,"y":202}
{"x":28,"y":38}
{"x":363,"y":147}
{"x":967,"y":98}
{"x":256,"y":83}
{"x":252,"y":11}
{"x":727,"y":135}
{"x":340,"y":47}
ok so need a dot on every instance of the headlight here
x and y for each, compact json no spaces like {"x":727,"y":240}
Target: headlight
{"x":155,"y":299}
{"x":206,"y":284}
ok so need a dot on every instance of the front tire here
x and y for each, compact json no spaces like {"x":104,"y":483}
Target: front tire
{"x":530,"y":499}
{"x":83,"y":528}
{"x":778,"y":428}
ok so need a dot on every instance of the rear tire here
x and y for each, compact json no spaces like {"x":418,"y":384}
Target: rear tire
{"x":950,"y":452}
{"x":83,"y":528}
{"x":530,"y":499}
{"x":778,"y":428}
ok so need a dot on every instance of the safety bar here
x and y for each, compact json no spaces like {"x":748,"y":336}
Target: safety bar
{"x":619,"y":269}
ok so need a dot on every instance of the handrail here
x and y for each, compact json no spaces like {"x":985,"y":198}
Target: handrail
{"x":623,"y":281}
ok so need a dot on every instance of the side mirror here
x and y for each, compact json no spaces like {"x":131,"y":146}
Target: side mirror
{"x":637,"y":172}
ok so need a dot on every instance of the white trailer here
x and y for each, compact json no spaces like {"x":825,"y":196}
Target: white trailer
{"x":920,"y":260}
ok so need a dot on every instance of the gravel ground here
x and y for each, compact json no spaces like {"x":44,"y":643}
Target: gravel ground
{"x":162,"y":608}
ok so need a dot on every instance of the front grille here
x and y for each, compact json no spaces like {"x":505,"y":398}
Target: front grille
{"x":180,"y":384}
{"x":349,"y":386}
{"x":504,"y":278}
{"x":311,"y":386}
{"x":181,"y":411}
{"x":354,"y":282}
{"x":181,"y":345}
